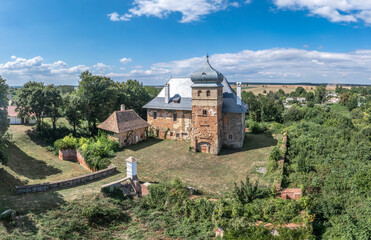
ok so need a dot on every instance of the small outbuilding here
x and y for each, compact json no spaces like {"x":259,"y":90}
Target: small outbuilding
{"x":126,"y":127}
{"x":14,"y":119}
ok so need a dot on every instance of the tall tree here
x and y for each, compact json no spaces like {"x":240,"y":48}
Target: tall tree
{"x":31,"y":100}
{"x":98,"y":98}
{"x":72,"y":110}
{"x":3,"y":120}
{"x":320,"y":94}
{"x":134,"y":96}
{"x":53,"y":103}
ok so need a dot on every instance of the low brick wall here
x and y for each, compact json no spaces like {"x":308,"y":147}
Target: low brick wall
{"x":66,"y":183}
{"x":73,"y":154}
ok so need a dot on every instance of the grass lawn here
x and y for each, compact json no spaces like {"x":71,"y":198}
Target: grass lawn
{"x":340,"y":109}
{"x":158,"y":160}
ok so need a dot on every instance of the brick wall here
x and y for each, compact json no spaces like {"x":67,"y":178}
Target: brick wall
{"x":206,"y":134}
{"x":68,"y":154}
{"x":178,"y":130}
{"x":66,"y":183}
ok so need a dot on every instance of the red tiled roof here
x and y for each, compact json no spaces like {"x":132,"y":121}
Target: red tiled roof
{"x":12,"y":112}
{"x":123,"y":121}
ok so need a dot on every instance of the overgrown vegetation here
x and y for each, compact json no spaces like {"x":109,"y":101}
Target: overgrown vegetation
{"x":4,"y":138}
{"x":96,"y":151}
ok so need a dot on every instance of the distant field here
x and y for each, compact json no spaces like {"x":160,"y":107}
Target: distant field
{"x":256,"y":89}
{"x":158,"y":160}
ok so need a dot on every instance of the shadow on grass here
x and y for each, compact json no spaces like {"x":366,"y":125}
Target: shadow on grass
{"x":147,"y":143}
{"x":8,"y":182}
{"x":37,"y":203}
{"x":252,"y":142}
{"x":28,"y":166}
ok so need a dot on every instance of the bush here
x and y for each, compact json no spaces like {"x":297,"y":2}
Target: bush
{"x":255,"y":127}
{"x":68,"y":142}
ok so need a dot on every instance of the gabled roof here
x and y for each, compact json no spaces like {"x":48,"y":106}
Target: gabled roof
{"x":123,"y":121}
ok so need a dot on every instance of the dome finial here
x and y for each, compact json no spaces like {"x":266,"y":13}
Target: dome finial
{"x":207,"y":56}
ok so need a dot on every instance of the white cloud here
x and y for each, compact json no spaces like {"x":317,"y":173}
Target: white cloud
{"x":125,"y":60}
{"x":269,"y":65}
{"x":273,"y":65}
{"x":19,"y":70}
{"x":191,"y":10}
{"x":101,"y":67}
{"x":333,"y":10}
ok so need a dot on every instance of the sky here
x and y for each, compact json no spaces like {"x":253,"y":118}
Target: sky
{"x":281,"y":41}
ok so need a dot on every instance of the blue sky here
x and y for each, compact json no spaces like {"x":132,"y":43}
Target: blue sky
{"x":250,"y":41}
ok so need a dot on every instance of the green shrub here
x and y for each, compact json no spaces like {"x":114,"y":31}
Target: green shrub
{"x":68,"y":142}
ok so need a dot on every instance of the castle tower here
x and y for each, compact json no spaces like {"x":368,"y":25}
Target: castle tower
{"x":207,"y":102}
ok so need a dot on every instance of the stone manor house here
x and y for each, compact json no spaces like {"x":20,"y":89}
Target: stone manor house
{"x":203,"y":109}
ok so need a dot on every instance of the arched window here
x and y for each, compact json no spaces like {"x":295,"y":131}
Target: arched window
{"x":199,"y":92}
{"x":208,"y":93}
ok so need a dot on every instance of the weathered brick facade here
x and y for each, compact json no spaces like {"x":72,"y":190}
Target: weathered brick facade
{"x":206,"y":133}
{"x":130,"y":137}
{"x":176,"y":128}
{"x":203,"y":109}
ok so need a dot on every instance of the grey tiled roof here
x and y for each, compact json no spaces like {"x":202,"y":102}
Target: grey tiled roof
{"x":182,"y":87}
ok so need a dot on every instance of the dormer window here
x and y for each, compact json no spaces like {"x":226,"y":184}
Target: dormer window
{"x":208,"y":93}
{"x":199,"y":93}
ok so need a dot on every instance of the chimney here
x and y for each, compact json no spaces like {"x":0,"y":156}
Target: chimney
{"x":122,"y":107}
{"x":131,"y":167}
{"x":167,"y":92}
{"x":239,"y":93}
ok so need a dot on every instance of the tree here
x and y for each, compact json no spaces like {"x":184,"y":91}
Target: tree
{"x":309,"y":97}
{"x":293,"y":114}
{"x":72,"y":110}
{"x":254,"y":105}
{"x":3,"y":120}
{"x":31,"y":100}
{"x":320,"y":94}
{"x":53,"y":103}
{"x":134,"y":96}
{"x":344,"y":98}
{"x":352,"y":103}
{"x":98,"y":98}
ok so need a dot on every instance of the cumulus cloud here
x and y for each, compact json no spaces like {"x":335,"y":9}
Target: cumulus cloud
{"x":278,"y":65}
{"x":191,"y":10}
{"x":273,"y":65}
{"x":125,"y":60}
{"x":19,"y":70}
{"x":334,"y":10}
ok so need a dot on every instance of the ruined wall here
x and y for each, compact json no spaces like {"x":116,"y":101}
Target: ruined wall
{"x":66,"y":183}
{"x":206,"y":134}
{"x":233,"y":130}
{"x":130,"y":137}
{"x":165,"y":124}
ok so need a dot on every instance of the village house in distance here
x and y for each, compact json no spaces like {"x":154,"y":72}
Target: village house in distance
{"x":203,"y":109}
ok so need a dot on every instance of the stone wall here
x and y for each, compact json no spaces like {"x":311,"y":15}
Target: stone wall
{"x":165,"y":124}
{"x":66,"y":183}
{"x":130,"y":137}
{"x":233,"y":130}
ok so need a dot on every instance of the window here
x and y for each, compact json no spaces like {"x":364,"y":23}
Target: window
{"x":174,"y":117}
{"x":177,"y":135}
{"x":230,"y":137}
{"x":155,"y":115}
{"x":199,"y":92}
{"x":171,"y":134}
{"x":204,"y":112}
{"x":208,"y":93}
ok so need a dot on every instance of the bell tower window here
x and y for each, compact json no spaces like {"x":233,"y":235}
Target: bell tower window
{"x":199,"y":93}
{"x":208,"y":93}
{"x":204,"y":112}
